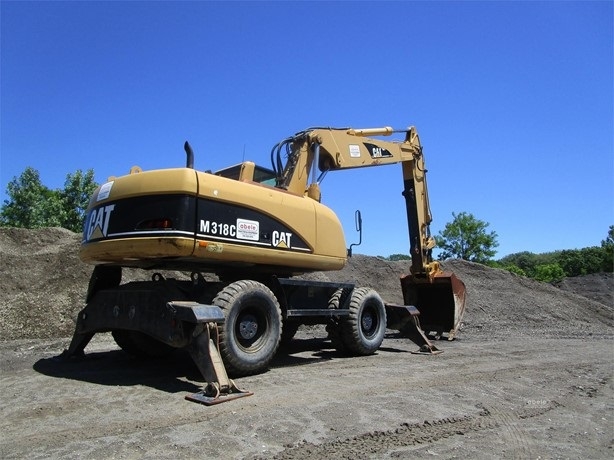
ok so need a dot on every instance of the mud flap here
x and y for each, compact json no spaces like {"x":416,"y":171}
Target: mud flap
{"x":404,"y":318}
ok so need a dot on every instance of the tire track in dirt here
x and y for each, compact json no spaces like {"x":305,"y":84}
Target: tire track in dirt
{"x":118,"y":428}
{"x":294,"y":376}
{"x":512,"y":434}
{"x":376,"y":444}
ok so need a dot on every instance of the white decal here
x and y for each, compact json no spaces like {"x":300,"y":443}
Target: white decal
{"x":281,"y":239}
{"x":98,"y":221}
{"x":248,"y":229}
{"x":217,"y":228}
{"x":354,"y":150}
{"x":105,"y":191}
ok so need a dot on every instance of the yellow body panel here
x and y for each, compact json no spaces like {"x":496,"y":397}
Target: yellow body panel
{"x":305,"y":219}
{"x":317,"y":224}
{"x":129,"y":250}
{"x":248,"y":256}
{"x":176,"y":180}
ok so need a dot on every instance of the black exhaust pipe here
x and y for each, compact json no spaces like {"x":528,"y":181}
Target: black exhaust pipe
{"x":190,"y":155}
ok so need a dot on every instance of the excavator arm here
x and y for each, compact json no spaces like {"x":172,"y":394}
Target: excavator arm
{"x":321,"y":150}
{"x":438,"y":295}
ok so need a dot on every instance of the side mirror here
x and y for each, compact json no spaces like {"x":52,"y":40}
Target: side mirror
{"x":358,"y":219}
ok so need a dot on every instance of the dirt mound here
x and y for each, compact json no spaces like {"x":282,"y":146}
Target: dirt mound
{"x":42,"y":282}
{"x":43,"y":285}
{"x":499,"y":302}
{"x":596,"y":286}
{"x":502,"y":302}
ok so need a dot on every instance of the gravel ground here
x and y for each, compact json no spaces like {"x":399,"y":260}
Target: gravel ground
{"x":530,"y":376}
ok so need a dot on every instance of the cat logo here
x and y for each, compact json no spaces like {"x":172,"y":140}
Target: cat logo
{"x":281,"y":239}
{"x":377,"y":152}
{"x":97,"y":223}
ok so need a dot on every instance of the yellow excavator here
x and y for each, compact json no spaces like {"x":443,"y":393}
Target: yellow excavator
{"x":255,"y":228}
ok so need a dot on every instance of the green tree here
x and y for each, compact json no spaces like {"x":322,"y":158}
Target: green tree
{"x":466,"y":238}
{"x":515,"y":269}
{"x":526,"y":261}
{"x":75,"y":196}
{"x":33,"y":205}
{"x":575,"y":262}
{"x":30,"y":203}
{"x":549,"y":273}
{"x":506,"y":266}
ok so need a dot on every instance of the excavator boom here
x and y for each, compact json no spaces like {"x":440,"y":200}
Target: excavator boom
{"x":438,"y":295}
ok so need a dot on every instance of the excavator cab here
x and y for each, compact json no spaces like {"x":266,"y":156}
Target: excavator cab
{"x":248,"y":172}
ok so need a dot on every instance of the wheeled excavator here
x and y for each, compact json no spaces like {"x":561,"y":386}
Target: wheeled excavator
{"x":255,"y":229}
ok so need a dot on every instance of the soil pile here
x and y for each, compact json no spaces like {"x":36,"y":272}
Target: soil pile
{"x":43,"y":285}
{"x":42,"y":282}
{"x":596,"y":286}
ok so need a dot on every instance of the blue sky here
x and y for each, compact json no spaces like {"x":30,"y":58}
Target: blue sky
{"x":513,"y":101}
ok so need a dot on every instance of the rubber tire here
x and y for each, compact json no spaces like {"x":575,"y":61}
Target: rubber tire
{"x":141,"y":345}
{"x":363,"y":331}
{"x":250,"y":336}
{"x":334,"y":326}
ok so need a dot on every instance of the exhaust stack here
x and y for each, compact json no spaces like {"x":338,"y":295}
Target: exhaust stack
{"x":189,"y":154}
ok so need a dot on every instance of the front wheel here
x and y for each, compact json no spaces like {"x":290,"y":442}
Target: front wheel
{"x":250,"y":336}
{"x":363,"y":331}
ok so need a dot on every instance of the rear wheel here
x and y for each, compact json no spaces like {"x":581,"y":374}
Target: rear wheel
{"x":250,"y":336}
{"x":363,"y":331}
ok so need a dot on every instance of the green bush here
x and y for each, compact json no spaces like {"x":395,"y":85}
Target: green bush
{"x":549,"y":273}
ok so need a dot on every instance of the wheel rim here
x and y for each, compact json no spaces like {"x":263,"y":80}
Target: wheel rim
{"x":369,"y":322}
{"x":250,"y":328}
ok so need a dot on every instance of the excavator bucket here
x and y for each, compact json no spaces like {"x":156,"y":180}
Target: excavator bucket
{"x":440,"y":299}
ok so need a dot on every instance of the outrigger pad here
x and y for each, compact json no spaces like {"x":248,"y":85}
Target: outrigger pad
{"x":404,"y":318}
{"x":203,"y":398}
{"x":427,"y":350}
